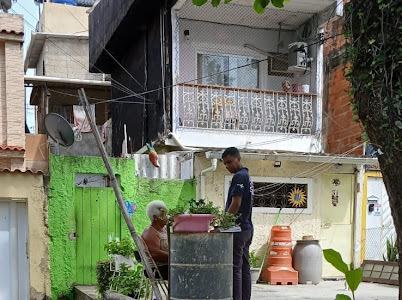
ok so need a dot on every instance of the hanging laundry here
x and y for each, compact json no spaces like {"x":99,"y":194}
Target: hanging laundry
{"x":106,"y":131}
{"x":81,"y":122}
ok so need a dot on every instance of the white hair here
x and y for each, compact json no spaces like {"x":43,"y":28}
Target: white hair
{"x":154,"y":209}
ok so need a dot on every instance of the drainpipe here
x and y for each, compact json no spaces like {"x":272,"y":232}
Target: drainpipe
{"x":357,"y":216}
{"x":212,"y":168}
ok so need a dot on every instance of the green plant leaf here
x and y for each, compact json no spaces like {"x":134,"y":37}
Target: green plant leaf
{"x":278,"y":3}
{"x":353,"y":278}
{"x":227,"y":1}
{"x":260,"y":5}
{"x":199,"y":2}
{"x":215,"y":3}
{"x":398,"y":124}
{"x":342,"y":297}
{"x":335,"y":259}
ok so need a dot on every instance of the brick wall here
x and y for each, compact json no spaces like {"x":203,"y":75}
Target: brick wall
{"x":342,"y":132}
{"x":12,"y":107}
{"x":3,"y":107}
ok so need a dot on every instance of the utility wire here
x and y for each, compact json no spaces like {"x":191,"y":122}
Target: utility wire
{"x":138,"y":95}
{"x":312,"y":172}
{"x":119,"y":86}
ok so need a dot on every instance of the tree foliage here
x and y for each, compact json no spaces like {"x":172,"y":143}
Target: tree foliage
{"x":259,"y":5}
{"x":373,"y":29}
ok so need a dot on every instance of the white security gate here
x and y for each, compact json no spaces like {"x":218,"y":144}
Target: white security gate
{"x":379,"y":223}
{"x":13,"y":251}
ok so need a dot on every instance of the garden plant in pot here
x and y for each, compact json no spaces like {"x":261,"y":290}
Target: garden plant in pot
{"x":255,"y":263}
{"x":196,"y":217}
{"x":121,"y":251}
{"x":120,"y":275}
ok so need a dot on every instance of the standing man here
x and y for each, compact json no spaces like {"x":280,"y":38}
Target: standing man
{"x":240,"y":201}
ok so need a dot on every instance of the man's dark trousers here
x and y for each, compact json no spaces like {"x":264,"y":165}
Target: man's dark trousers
{"x":241,"y":265}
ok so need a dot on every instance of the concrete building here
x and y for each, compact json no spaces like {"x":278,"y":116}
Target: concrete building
{"x":376,"y":224}
{"x":224,"y":76}
{"x":82,"y":214}
{"x":58,"y":52}
{"x":23,"y":164}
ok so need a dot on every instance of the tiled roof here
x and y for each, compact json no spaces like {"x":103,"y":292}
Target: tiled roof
{"x":18,"y":170}
{"x":11,"y":148}
{"x":12,"y":32}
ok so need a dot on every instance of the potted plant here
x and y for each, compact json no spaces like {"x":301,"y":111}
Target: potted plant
{"x":196,"y":218}
{"x":124,"y":281}
{"x":121,"y":251}
{"x":255,"y":263}
{"x":226,"y":222}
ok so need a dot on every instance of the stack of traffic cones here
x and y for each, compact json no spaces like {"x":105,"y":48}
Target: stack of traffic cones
{"x":278,"y":269}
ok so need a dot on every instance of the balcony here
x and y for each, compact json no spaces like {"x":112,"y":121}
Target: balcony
{"x":219,"y":116}
{"x":245,"y":110}
{"x":248,"y":80}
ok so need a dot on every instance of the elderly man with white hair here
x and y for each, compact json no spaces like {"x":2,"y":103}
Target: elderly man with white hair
{"x":155,"y":236}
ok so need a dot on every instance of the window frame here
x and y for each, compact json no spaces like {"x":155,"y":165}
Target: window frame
{"x":229,"y":56}
{"x":286,"y":180}
{"x":232,"y":51}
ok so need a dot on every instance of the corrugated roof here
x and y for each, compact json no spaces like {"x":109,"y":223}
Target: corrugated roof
{"x":11,"y":148}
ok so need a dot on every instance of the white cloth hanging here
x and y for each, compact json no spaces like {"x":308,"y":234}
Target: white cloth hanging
{"x":80,"y":120}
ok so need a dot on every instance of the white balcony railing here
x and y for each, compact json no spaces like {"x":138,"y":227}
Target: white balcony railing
{"x":245,"y":110}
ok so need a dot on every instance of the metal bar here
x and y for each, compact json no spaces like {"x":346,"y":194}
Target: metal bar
{"x":119,"y":197}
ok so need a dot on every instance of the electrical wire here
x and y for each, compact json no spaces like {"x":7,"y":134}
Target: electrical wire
{"x":103,"y":48}
{"x":310,"y":172}
{"x":125,"y":89}
{"x":98,"y":99}
{"x":119,"y":85}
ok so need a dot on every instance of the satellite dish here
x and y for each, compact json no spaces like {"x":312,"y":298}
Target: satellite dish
{"x":5,"y":5}
{"x":59,"y":129}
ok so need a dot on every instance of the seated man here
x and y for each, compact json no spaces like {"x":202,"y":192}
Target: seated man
{"x":155,"y":237}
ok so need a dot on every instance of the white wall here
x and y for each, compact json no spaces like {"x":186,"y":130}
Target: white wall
{"x":333,"y":226}
{"x":216,"y":38}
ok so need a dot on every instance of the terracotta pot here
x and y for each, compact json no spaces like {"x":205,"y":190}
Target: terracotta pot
{"x":192,"y":223}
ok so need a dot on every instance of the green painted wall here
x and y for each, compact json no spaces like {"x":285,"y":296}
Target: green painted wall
{"x":61,"y":210}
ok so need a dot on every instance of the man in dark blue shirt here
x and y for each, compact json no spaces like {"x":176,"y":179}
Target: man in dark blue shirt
{"x":240,"y":201}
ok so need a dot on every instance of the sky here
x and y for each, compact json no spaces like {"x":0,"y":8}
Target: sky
{"x":30,"y":11}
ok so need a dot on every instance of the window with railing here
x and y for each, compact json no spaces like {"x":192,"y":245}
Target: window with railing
{"x":290,"y":195}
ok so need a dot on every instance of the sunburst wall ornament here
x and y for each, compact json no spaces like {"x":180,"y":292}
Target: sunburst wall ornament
{"x":297,"y":197}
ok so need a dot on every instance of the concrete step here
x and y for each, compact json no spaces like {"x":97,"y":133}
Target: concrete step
{"x":86,"y":293}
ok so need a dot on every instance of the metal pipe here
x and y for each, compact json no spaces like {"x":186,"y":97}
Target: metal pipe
{"x":119,"y":197}
{"x":48,"y":79}
{"x":212,"y":168}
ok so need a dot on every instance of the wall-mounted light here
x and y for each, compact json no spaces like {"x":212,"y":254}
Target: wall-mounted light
{"x":277,"y":164}
{"x":186,"y":33}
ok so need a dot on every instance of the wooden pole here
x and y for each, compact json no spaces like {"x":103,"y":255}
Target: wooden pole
{"x":119,"y":197}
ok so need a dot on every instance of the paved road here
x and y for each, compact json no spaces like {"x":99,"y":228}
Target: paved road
{"x":323,"y":291}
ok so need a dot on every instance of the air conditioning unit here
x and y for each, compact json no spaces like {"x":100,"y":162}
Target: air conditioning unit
{"x":299,"y":62}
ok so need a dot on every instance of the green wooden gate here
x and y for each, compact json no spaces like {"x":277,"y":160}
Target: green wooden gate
{"x":97,"y":218}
